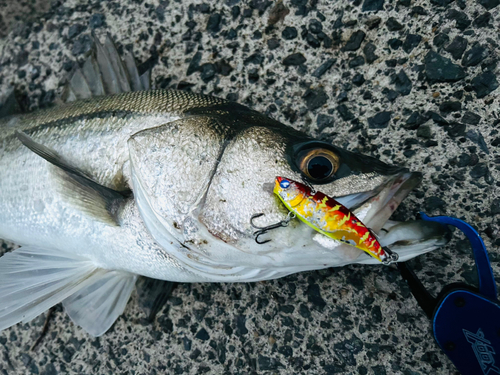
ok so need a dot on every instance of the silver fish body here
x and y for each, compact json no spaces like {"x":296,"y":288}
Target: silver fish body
{"x":191,"y":171}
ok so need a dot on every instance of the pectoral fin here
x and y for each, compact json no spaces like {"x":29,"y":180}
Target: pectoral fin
{"x":90,"y":197}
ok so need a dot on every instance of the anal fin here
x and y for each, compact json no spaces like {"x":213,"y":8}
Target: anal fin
{"x":96,"y":306}
{"x":32,"y":280}
{"x":96,"y":200}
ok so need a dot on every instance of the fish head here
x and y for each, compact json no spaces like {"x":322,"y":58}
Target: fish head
{"x":200,"y":180}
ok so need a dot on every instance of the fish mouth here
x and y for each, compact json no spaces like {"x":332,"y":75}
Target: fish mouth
{"x":374,"y":209}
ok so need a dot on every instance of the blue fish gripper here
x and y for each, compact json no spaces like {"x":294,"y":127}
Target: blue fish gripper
{"x":465,"y":319}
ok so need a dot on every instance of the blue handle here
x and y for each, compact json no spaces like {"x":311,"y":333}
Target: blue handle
{"x":487,"y":286}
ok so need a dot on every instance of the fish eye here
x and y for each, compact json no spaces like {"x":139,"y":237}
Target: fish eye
{"x":319,"y":164}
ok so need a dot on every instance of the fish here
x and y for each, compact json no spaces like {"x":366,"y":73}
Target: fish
{"x":329,"y":217}
{"x":123,"y":181}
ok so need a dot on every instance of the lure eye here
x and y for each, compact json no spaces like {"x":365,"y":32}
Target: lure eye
{"x":285,"y":184}
{"x":319,"y":165}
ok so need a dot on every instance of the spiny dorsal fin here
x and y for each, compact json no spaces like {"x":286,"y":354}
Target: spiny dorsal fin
{"x":105,"y":72}
{"x":96,"y":200}
{"x":10,"y":106}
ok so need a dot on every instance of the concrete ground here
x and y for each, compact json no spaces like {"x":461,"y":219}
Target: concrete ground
{"x":411,"y":82}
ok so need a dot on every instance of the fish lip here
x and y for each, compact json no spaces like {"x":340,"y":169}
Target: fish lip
{"x":378,"y":208}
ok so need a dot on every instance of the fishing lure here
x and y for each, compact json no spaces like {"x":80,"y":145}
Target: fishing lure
{"x":329,"y":217}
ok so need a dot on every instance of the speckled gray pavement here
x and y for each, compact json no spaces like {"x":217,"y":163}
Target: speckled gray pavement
{"x":409,"y":81}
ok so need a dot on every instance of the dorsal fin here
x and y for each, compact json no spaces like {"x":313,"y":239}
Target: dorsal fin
{"x":104,"y":72}
{"x":10,"y":105}
{"x":96,"y":200}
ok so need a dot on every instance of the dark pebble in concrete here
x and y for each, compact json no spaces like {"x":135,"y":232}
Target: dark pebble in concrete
{"x":266,"y":364}
{"x":214,"y":21}
{"x":315,"y":98}
{"x":479,"y":170}
{"x":415,"y":120}
{"x":97,"y":20}
{"x":294,"y":59}
{"x":489,"y":4}
{"x":441,"y":3}
{"x":255,"y":58}
{"x":345,"y":113}
{"x":441,"y":69}
{"x":314,"y":296}
{"x":357,"y":61}
{"x":372,"y":5}
{"x":424,"y":131}
{"x":393,"y":25}
{"x":241,"y":329}
{"x":315,"y":26}
{"x":194,"y":65}
{"x":208,"y":71}
{"x":411,"y":41}
{"x":380,"y":120}
{"x":495,"y":206}
{"x":434,"y":203}
{"x":395,"y":43}
{"x":75,"y":30}
{"x":436,"y":118}
{"x":478,"y":139}
{"x":373,"y":23}
{"x":483,"y":20}
{"x":323,"y":68}
{"x":440,"y":39}
{"x":358,"y":79}
{"x":289,"y":33}
{"x":463,"y":160}
{"x":409,"y":153}
{"x":471,"y":118}
{"x":369,"y":51}
{"x":324,"y":121}
{"x":484,"y":84}
{"x":475,"y":55}
{"x":355,"y":41}
{"x":402,"y":83}
{"x":457,"y":47}
{"x":202,"y":334}
{"x":450,"y":106}
{"x":456,"y":130}
{"x":391,"y":95}
{"x":273,"y":43}
{"x":462,"y":21}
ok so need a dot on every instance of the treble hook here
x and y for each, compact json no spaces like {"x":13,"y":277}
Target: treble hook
{"x":392,"y":257}
{"x":263,"y":230}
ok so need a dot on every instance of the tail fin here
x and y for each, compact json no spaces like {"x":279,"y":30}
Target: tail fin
{"x":32,"y":280}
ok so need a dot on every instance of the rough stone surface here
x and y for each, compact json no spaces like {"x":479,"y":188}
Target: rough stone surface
{"x":350,"y":320}
{"x":441,"y":69}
